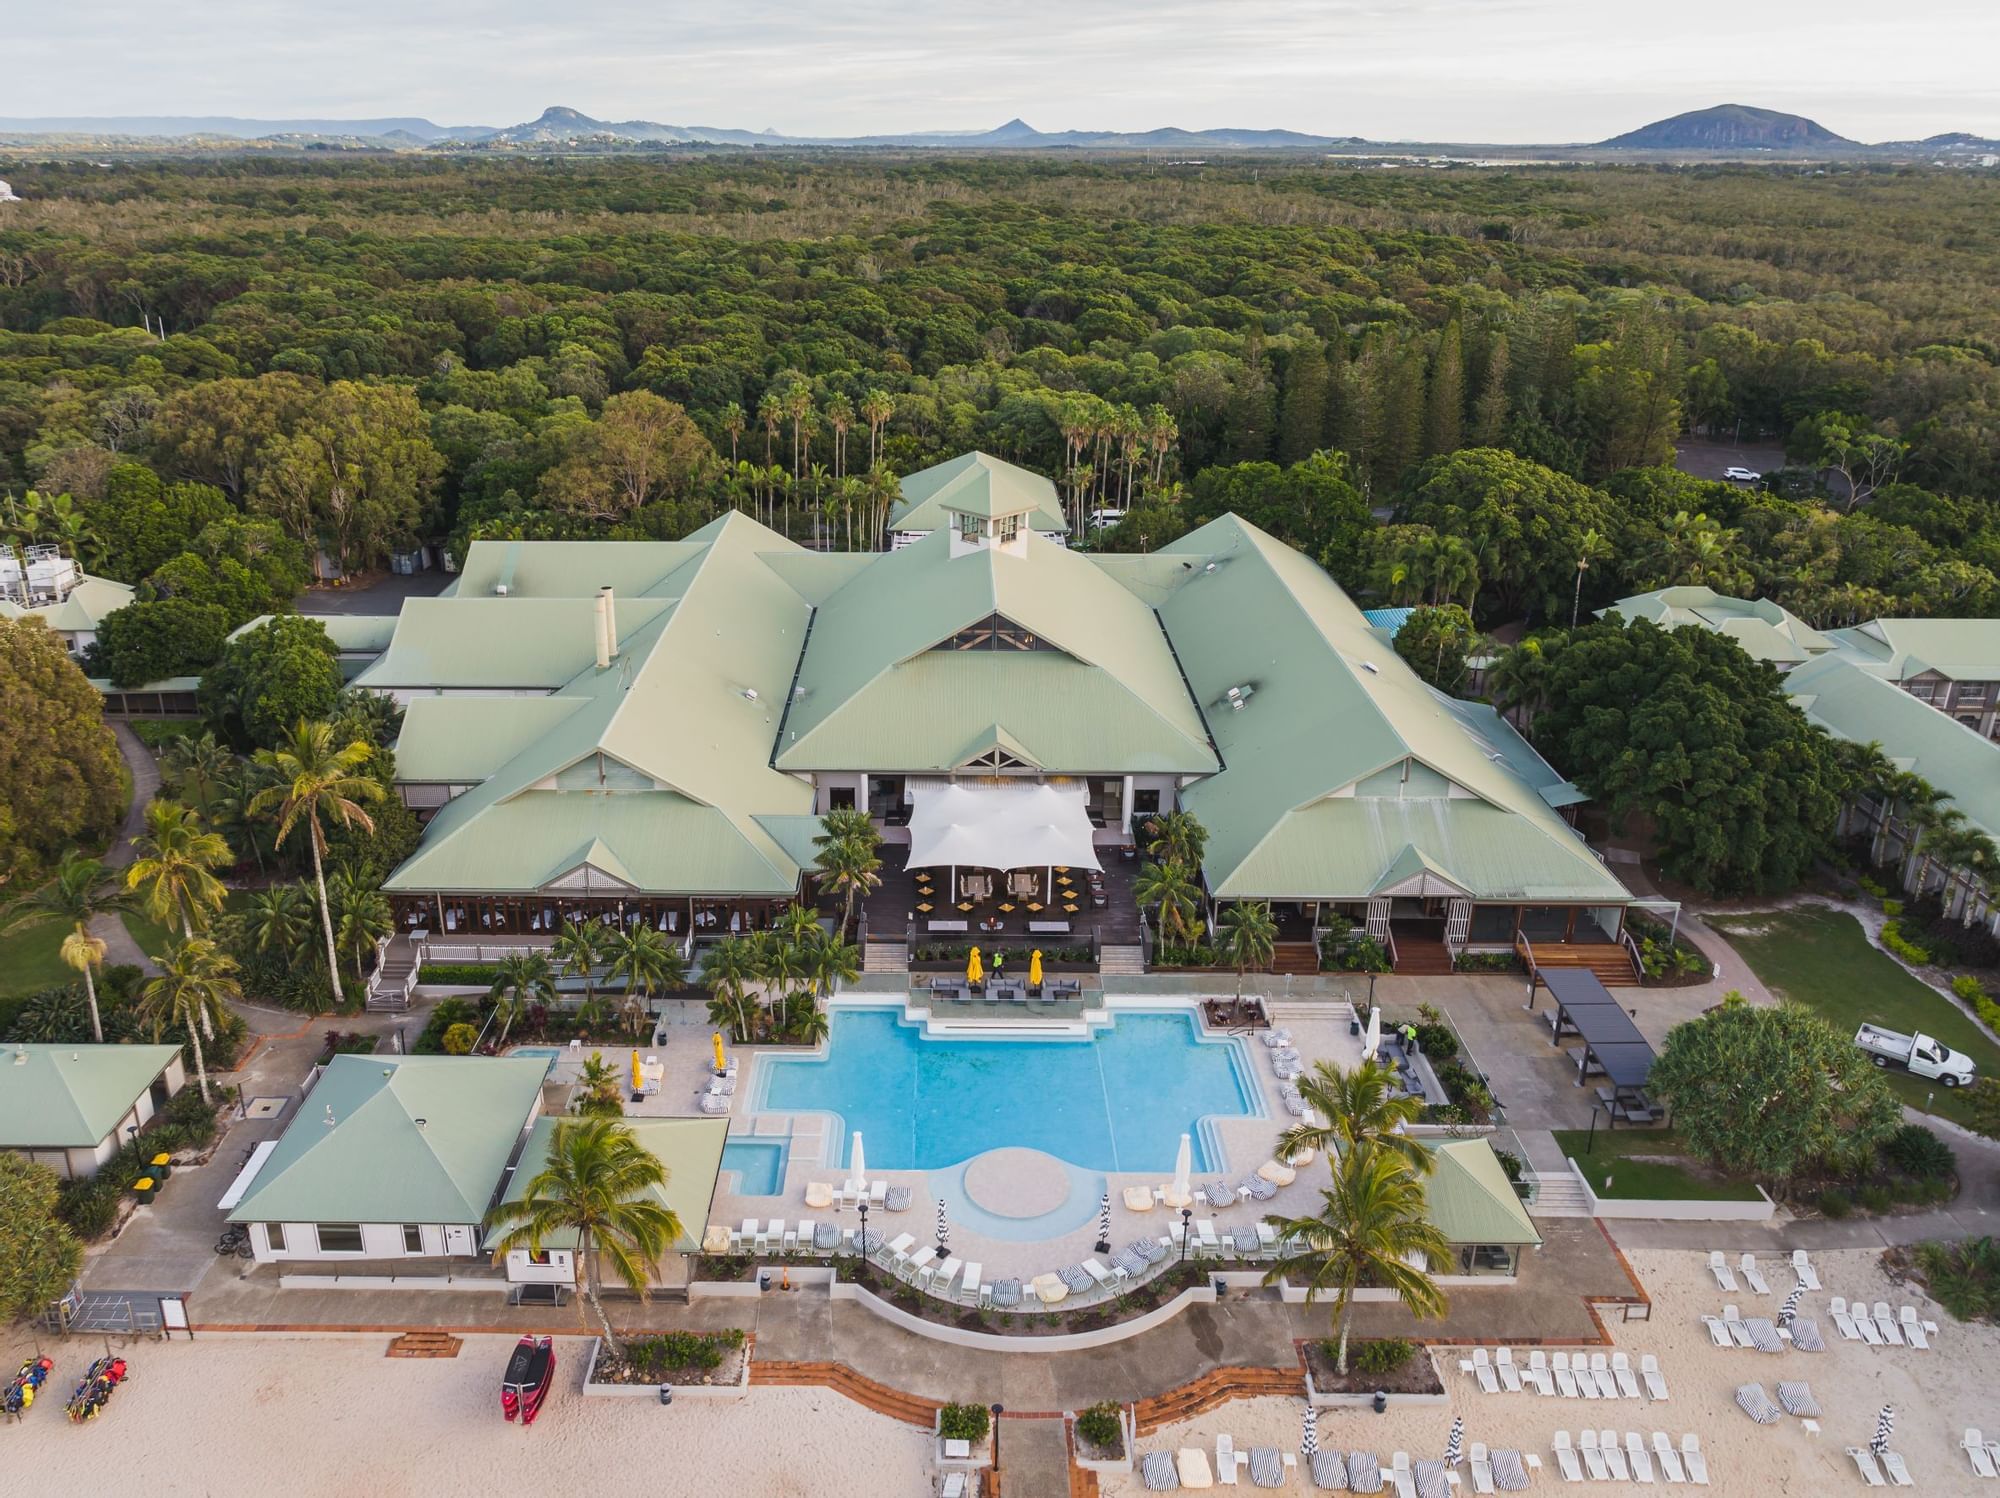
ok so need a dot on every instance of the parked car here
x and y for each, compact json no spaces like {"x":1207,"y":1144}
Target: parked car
{"x":1919,"y":1054}
{"x":1103,"y":520}
{"x":1742,"y":475}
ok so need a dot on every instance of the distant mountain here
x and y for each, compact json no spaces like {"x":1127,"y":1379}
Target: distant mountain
{"x":172,"y":125}
{"x":1730,"y":127}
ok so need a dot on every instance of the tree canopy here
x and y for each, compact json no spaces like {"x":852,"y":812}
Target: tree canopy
{"x":61,"y":780}
{"x":268,"y":679}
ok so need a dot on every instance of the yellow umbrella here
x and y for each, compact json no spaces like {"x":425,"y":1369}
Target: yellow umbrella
{"x":720,"y":1064}
{"x":973,"y":971}
{"x":638,"y":1076}
{"x":1035,"y":968}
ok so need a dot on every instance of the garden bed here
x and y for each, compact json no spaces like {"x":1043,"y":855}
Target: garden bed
{"x":1414,"y":1377}
{"x":1058,"y":1320}
{"x":686,"y":1360}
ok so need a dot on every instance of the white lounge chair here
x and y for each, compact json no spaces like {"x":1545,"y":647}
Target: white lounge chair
{"x":1981,"y":1458}
{"x":1752,"y":1275}
{"x":1621,"y":1370}
{"x":1892,"y":1463}
{"x":897,"y":1251}
{"x":1537,"y":1372}
{"x":943,"y":1276}
{"x":1913,"y":1329}
{"x":1865,"y":1324}
{"x":1668,"y":1458}
{"x":1225,"y":1460}
{"x":1481,"y":1467}
{"x":1572,"y":1470}
{"x":1636,"y":1454}
{"x":1693,"y":1460}
{"x":1593,"y":1459}
{"x":1842,"y":1321}
{"x":953,"y":1486}
{"x":1402,"y":1476}
{"x":968,"y":1283}
{"x":1480,"y":1368}
{"x":1808,"y":1276}
{"x":1565,"y":1380}
{"x":1614,"y":1458}
{"x":1107,"y":1279}
{"x":1586,"y":1381}
{"x":1600,"y":1369}
{"x":1886,"y":1324}
{"x":788,"y":1238}
{"x":1205,"y":1230}
{"x":1510,"y":1375}
{"x":1864,"y":1463}
{"x":1717,"y":1266}
{"x":1732,"y":1321}
{"x":1656,"y":1381}
{"x":1717,"y":1332}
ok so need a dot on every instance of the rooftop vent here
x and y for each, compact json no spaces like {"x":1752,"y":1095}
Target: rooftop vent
{"x":21,"y":1056}
{"x":749,"y":694}
{"x":1235,"y":697}
{"x":328,"y":1120}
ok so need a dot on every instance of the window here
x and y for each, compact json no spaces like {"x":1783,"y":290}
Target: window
{"x":540,"y":1258}
{"x":340,"y":1238}
{"x":1923,"y":691}
{"x":274,"y":1234}
{"x":970,"y":528}
{"x":1009,"y":527}
{"x":413,"y":1239}
{"x":1145,"y":803}
{"x":840,"y":798}
{"x":1970,"y":720}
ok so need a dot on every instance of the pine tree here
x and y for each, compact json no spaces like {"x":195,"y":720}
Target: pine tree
{"x":1445,"y":409}
{"x":1251,"y":410}
{"x":1302,"y":429}
{"x":1489,"y":412}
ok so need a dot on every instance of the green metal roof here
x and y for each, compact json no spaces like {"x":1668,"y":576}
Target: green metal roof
{"x":1766,"y":631}
{"x":1339,"y":757}
{"x":874,"y":693}
{"x":352,"y":634}
{"x":1469,"y":1198}
{"x":1851,"y":702}
{"x":690,"y":1149}
{"x":976,"y":484}
{"x":492,"y":643}
{"x":568,"y":569}
{"x":88,"y":602}
{"x":411,"y":1139}
{"x":1962,"y":649}
{"x":71,"y":1096}
{"x":464,"y":739}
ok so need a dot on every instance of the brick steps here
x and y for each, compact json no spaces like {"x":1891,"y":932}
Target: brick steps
{"x":425,"y":1345}
{"x":909,"y":1408}
{"x":1213,"y":1389}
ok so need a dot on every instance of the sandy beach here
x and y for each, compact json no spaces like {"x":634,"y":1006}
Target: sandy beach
{"x":1935,"y":1394}
{"x":331,"y":1417}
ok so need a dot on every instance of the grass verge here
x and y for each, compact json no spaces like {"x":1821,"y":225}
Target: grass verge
{"x":1673,"y":1177}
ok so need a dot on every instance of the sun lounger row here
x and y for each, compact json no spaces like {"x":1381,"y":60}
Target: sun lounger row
{"x":1873,"y":1465}
{"x":1878,"y":1328}
{"x":781,"y":1237}
{"x":1984,"y":1454}
{"x":1598,"y":1455}
{"x":1733,"y":1329}
{"x":1566,"y":1375}
{"x":1753,"y":1277}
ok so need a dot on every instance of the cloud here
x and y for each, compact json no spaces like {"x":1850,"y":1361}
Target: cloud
{"x":1493,"y":70}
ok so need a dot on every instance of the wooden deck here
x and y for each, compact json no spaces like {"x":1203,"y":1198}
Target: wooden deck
{"x":893,"y":908}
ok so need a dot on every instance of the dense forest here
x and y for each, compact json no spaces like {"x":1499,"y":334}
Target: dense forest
{"x":1450,"y":386}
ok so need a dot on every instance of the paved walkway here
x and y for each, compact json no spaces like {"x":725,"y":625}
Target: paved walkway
{"x":119,"y":947}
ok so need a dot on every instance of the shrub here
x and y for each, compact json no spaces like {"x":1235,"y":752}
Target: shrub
{"x":1486,"y":962}
{"x":1437,"y":1041}
{"x":1835,"y":1203}
{"x":1893,"y":909}
{"x":1871,"y":887}
{"x":1100,"y":1426}
{"x":1382,"y":1355}
{"x":449,"y":1012}
{"x":1167,"y":955}
{"x":357,"y":1043}
{"x":458,"y":974}
{"x":1352,"y":952}
{"x":1875,"y":1197}
{"x":1968,"y":988}
{"x":187,"y":1112}
{"x":459,"y":1040}
{"x":1896,"y":942}
{"x":88,"y":1208}
{"x":1919,"y":1154}
{"x":1964,"y":1278}
{"x":667,"y":1353}
{"x":964,"y":1422}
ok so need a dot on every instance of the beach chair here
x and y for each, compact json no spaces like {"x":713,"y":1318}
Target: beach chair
{"x":1565,"y":1380}
{"x":1724,"y":1280}
{"x":1717,"y":1332}
{"x":760,"y":1240}
{"x":819,"y":1195}
{"x":1764,"y":1334}
{"x":1510,"y":1375}
{"x":1693,"y":1459}
{"x":1156,"y":1472}
{"x":1107,"y":1279}
{"x":898,"y":1249}
{"x":1621,"y":1370}
{"x":1755,"y":1403}
{"x":969,"y":1289}
{"x":1329,"y":1470}
{"x":944,"y":1276}
{"x":1205,"y":1233}
{"x":953,"y":1486}
{"x":1892,"y":1463}
{"x":1864,"y":1463}
{"x":1075,"y":1278}
{"x":1752,"y":1275}
{"x":788,"y":1239}
{"x":1913,"y":1329}
{"x":1885,"y":1323}
{"x":1191,"y":1465}
{"x":1482,"y":1369}
{"x":746,"y":1235}
{"x":1593,"y":1459}
{"x":1566,"y":1460}
{"x":1586,"y":1381}
{"x":917,"y":1265}
{"x":1225,"y":1459}
{"x":1865,"y":1324}
{"x":1732,"y":1321}
{"x":1537,"y":1374}
{"x":1267,"y":1240}
{"x":1807,"y":1276}
{"x":1668,"y":1459}
{"x":1482,"y":1469}
{"x":878,"y":1194}
{"x":1267,"y":1468}
{"x":1364,"y":1472}
{"x":1600,"y":1369}
{"x":1432,"y":1480}
{"x":1805,"y":1335}
{"x":1797,"y":1398}
{"x":1639,"y":1457}
{"x":1975,"y":1450}
{"x":1401,"y":1476}
{"x":1843,"y":1323}
{"x":1656,"y":1381}
{"x":1614,"y":1458}
{"x":894,"y":1198}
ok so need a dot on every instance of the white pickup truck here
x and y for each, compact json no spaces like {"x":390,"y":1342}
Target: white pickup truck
{"x":1919,"y":1054}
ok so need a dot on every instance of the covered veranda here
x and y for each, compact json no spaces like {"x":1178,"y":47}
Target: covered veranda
{"x":542,"y":916}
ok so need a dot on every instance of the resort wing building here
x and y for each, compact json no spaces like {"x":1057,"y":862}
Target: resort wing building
{"x":651,"y":731}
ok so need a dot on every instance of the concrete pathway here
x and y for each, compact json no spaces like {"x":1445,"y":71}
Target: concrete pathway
{"x":145,"y":771}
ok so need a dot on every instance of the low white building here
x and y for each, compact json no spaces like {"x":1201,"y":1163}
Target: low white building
{"x":71,"y":1107}
{"x":392,"y":1157}
{"x":39,"y":582}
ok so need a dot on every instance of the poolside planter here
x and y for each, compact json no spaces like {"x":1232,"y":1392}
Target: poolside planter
{"x":1365,"y":1399}
{"x":1106,"y":1464}
{"x":734,"y":1390}
{"x":981,"y":1454}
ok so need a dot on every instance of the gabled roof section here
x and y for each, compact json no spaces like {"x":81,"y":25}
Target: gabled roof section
{"x":568,"y":569}
{"x":597,"y":858}
{"x":71,"y":1096}
{"x":492,"y":643}
{"x":1149,"y":577}
{"x":977,"y":484}
{"x":873,"y":693}
{"x":1327,"y":704}
{"x":1962,"y":649}
{"x":88,"y":602}
{"x":1469,"y":1199}
{"x":1767,"y":631}
{"x":1414,"y":872}
{"x":413,"y":1139}
{"x":996,"y":740}
{"x":464,"y":739}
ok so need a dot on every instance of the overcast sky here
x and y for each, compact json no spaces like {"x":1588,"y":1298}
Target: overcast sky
{"x":1472,"y":70}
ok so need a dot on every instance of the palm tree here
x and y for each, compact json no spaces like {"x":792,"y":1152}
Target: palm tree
{"x":825,"y":962}
{"x":849,"y":867}
{"x":733,"y":422}
{"x":1176,"y":837}
{"x":1591,"y":546}
{"x":1170,"y":887}
{"x":839,"y":416}
{"x":1371,"y":1224}
{"x":1361,"y":1109}
{"x":803,"y":1020}
{"x":81,"y":891}
{"x":199,"y":768}
{"x":727,"y":971}
{"x":1249,"y":936}
{"x":876,"y":409}
{"x":197,"y":982}
{"x":579,"y":947}
{"x":175,"y":867}
{"x":520,"y":979}
{"x":315,"y":780}
{"x":883,"y":491}
{"x":364,"y":917}
{"x":599,"y":1089}
{"x":600,"y":1184}
{"x":278,"y":920}
{"x":647,"y":962}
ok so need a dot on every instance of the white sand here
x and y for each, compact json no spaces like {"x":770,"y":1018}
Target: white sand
{"x":254,"y":1415}
{"x":1935,"y":1394}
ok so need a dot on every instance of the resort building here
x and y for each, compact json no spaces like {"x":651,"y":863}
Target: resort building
{"x":1469,"y":1199}
{"x":1767,"y":631}
{"x":72,"y":1107}
{"x":650,"y":731}
{"x":390,"y":1157}
{"x":39,"y":582}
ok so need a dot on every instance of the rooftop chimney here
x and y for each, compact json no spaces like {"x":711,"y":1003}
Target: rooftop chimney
{"x":607,"y":634}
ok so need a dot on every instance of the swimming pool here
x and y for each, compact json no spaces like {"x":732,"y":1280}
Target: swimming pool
{"x":551,"y":1053}
{"x":759,"y":1164}
{"x":1118,"y":1102}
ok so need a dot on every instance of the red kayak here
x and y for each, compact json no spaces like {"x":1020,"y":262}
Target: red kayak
{"x":530,"y":1371}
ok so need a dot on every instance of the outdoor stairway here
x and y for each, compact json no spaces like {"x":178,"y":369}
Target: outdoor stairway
{"x":1285,"y":1011}
{"x":911,"y":1409}
{"x":1298,"y":957}
{"x":885,"y":957}
{"x":1421,"y":959}
{"x":1212,"y":1390}
{"x":425,"y":1345}
{"x":1121,"y":962}
{"x":390,"y":988}
{"x":1559,"y":1195}
{"x":1608,"y":962}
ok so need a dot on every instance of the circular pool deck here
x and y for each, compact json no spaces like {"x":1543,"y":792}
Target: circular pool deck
{"x":1016,"y":1183}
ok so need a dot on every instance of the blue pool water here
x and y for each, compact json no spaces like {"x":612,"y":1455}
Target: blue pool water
{"x":759,"y":1164}
{"x":1118,"y":1102}
{"x":550,"y":1053}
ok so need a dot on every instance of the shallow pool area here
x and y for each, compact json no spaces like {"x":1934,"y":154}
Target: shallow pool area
{"x":549,"y":1053}
{"x":1118,"y":1101}
{"x":759,"y":1165}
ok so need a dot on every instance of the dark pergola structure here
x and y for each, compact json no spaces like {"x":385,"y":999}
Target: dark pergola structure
{"x":1612,"y":1045}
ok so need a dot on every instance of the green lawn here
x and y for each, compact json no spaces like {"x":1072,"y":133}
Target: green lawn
{"x":1823,"y":958}
{"x":29,"y":959}
{"x":1611,"y":1152}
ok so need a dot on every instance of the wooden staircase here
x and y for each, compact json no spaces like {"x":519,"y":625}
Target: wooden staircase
{"x":1416,"y":958}
{"x":1121,"y":962}
{"x":1215,"y":1388}
{"x":885,"y":957}
{"x":1300,"y":957}
{"x":425,"y":1345}
{"x":1609,"y":962}
{"x":909,"y":1408}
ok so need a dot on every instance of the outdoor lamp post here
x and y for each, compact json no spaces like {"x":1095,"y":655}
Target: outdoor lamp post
{"x":1187,"y":1216}
{"x":862,"y":1243}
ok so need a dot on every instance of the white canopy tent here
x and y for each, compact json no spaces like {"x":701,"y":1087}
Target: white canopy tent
{"x":999,"y":824}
